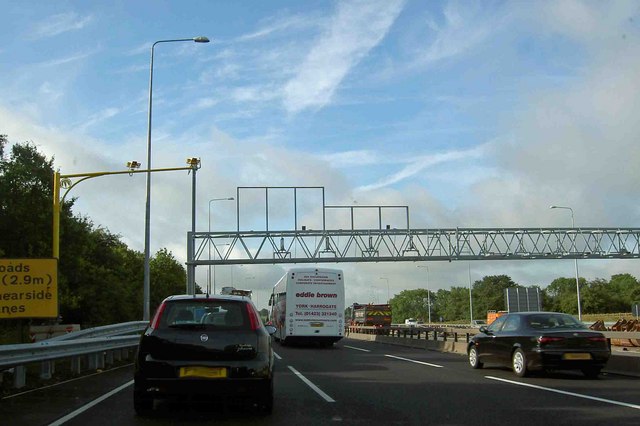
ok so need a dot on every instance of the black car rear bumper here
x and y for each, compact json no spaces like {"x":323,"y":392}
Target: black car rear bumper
{"x":168,"y":388}
{"x":554,"y":360}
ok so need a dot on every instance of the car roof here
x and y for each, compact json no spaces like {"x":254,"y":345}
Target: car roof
{"x":178,"y":297}
{"x":537,"y":313}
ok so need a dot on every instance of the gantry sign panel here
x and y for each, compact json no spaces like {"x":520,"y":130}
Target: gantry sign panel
{"x":392,"y":245}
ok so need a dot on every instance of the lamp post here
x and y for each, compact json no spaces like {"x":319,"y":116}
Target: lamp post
{"x":573,"y":225}
{"x":470,"y":298}
{"x":147,"y":218}
{"x":388,"y":293}
{"x":428,"y":291}
{"x":209,"y":245}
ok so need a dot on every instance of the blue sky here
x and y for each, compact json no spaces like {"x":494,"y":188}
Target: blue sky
{"x":473,"y":114}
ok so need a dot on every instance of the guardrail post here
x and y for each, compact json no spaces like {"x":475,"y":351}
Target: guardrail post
{"x":109,"y":357}
{"x":19,"y":376}
{"x":46,"y":369}
{"x":92,"y":361}
{"x":76,"y":365}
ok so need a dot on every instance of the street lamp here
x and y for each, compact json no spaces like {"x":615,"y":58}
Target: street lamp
{"x":573,"y":225}
{"x":209,"y":245}
{"x":388,"y":295}
{"x":147,"y":218}
{"x":470,"y":298}
{"x":428,"y":291}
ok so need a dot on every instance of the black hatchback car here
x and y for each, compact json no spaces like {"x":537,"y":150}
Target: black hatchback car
{"x":529,"y":341}
{"x":205,"y":347}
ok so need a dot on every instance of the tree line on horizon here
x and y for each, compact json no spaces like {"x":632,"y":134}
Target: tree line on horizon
{"x":598,"y":296}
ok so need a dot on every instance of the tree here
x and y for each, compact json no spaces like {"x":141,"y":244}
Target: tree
{"x":597,"y":297}
{"x":25,"y":202}
{"x":563,"y":296}
{"x":99,"y":277}
{"x":408,"y":304}
{"x":167,"y":277}
{"x":626,"y":289}
{"x":488,"y":294}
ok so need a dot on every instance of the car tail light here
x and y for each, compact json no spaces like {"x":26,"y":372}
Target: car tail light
{"x":549,"y":339}
{"x":601,"y":339}
{"x":156,"y":318}
{"x":253,"y":317}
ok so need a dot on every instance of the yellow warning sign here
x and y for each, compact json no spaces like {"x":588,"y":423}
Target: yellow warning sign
{"x":28,"y":288}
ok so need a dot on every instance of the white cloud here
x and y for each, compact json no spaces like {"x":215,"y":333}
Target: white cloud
{"x":419,"y":164}
{"x":272,"y":27}
{"x":356,"y":29}
{"x":66,"y":60}
{"x":98,"y":117}
{"x":352,"y":158}
{"x":58,"y":24}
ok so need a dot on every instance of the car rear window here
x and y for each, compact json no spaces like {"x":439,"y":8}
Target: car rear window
{"x":546,"y":322}
{"x":206,"y":313}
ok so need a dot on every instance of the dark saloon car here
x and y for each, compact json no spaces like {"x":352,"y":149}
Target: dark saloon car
{"x":205,"y":348}
{"x":529,"y":341}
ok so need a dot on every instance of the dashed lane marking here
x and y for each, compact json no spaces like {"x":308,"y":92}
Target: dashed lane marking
{"x":577,"y":395}
{"x":315,"y":388}
{"x":85,"y":407}
{"x":357,"y":349}
{"x":415,"y":361}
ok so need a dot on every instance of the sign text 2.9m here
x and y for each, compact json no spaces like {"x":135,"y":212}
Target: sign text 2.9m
{"x":28,"y":288}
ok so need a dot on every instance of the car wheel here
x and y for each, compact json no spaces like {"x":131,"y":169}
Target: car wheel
{"x":519,"y":363}
{"x":591,"y":372}
{"x":142,"y":404}
{"x":474,"y":360}
{"x":265,"y":403}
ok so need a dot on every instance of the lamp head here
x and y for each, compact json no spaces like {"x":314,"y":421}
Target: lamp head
{"x":131,"y":165}
{"x":201,"y":39}
{"x":194,"y":162}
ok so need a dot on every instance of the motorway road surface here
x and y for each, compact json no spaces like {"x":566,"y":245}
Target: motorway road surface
{"x":355,"y":383}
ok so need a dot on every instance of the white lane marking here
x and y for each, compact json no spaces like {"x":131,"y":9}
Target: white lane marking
{"x":89,"y":405}
{"x":66,"y":381}
{"x":357,"y":349}
{"x":577,"y":395}
{"x":413,"y":360}
{"x":276,"y":355}
{"x":311,"y":385}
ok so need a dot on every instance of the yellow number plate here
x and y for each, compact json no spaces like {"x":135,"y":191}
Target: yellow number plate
{"x":206,"y":372}
{"x":573,"y":356}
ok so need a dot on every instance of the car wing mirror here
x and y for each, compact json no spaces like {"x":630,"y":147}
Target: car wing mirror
{"x":484,"y":329}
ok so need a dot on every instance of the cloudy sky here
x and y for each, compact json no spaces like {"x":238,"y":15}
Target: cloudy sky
{"x":474,"y":114}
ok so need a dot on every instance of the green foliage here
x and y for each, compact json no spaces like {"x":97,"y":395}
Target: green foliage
{"x":167,"y":277}
{"x":488,"y":294}
{"x":409,"y":304}
{"x":99,"y":277}
{"x":25,"y":202}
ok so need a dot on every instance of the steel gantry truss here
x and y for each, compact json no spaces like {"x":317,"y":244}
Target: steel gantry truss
{"x":392,"y":245}
{"x":396,"y":244}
